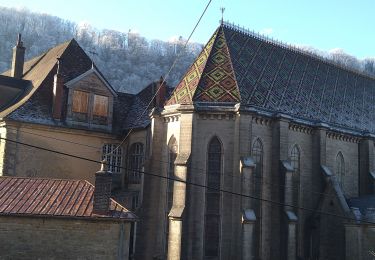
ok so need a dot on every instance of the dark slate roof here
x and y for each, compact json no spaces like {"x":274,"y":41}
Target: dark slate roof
{"x":121,"y":108}
{"x":362,"y":203}
{"x":12,"y":90}
{"x":21,"y":196}
{"x":138,"y":115}
{"x":277,"y":79}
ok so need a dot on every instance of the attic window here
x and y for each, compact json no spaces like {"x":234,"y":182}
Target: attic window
{"x":100,"y":106}
{"x":80,"y":102}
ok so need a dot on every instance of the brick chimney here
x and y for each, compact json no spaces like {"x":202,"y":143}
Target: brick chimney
{"x":161,"y":95}
{"x":18,"y":59}
{"x":102,"y":192}
{"x":58,"y":84}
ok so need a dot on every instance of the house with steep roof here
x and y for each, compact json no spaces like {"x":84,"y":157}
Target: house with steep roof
{"x":61,"y":101}
{"x":278,"y":142}
{"x":43,"y":218}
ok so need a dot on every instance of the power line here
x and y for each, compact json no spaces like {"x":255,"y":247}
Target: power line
{"x":164,"y":78}
{"x":202,"y":171}
{"x":197,"y":184}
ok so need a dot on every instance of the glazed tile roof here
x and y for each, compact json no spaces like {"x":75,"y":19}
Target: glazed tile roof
{"x":53,"y":198}
{"x":210,"y":78}
{"x":273,"y":78}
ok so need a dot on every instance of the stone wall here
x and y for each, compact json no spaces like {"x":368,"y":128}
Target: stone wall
{"x":22,"y":160}
{"x":52,"y":238}
{"x":360,"y":242}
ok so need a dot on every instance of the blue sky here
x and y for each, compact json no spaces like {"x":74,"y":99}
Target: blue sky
{"x":325,"y":25}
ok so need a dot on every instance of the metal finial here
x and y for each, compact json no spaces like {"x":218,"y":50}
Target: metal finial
{"x":222,"y":9}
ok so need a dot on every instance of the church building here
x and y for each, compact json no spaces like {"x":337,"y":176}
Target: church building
{"x":262,"y":151}
{"x":277,"y":150}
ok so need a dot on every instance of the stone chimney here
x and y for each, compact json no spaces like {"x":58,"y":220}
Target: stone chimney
{"x":161,"y":95}
{"x":18,"y":59}
{"x":102,"y":192}
{"x":58,"y":84}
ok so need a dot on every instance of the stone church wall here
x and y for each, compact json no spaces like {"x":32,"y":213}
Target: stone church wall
{"x":349,"y":149}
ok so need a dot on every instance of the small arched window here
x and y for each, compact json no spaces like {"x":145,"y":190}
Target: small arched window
{"x":295,"y":159}
{"x":340,"y":169}
{"x":135,"y":163}
{"x":257,"y":153}
{"x":212,"y":216}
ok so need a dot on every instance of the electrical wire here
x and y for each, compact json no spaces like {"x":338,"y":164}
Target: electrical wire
{"x":202,"y":171}
{"x":164,"y":78}
{"x":277,"y":203}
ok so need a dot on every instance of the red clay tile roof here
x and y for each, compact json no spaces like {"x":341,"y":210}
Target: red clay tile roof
{"x":23,"y":196}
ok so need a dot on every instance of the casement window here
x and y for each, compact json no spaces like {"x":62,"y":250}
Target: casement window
{"x":340,"y":169}
{"x":113,"y":155}
{"x":213,"y":210}
{"x":135,"y":163}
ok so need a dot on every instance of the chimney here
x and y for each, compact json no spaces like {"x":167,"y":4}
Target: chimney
{"x":160,"y":97}
{"x":58,"y":84}
{"x":102,"y":192}
{"x":18,"y":59}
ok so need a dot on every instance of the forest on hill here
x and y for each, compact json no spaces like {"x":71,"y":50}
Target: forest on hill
{"x":128,"y":60}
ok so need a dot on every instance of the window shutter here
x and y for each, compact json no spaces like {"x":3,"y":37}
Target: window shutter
{"x":80,"y":101}
{"x":100,"y":106}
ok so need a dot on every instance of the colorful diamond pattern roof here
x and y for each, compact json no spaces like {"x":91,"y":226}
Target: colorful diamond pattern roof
{"x":184,"y":91}
{"x":210,"y":78}
{"x":218,"y":83}
{"x":269,"y":76}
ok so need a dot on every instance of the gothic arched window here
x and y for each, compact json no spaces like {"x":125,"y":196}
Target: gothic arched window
{"x":257,"y":153}
{"x":295,"y":161}
{"x":340,"y":169}
{"x":212,"y":217}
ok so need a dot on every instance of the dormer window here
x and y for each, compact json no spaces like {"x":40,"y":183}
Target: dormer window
{"x":100,"y":109}
{"x":80,"y":105}
{"x":90,"y":101}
